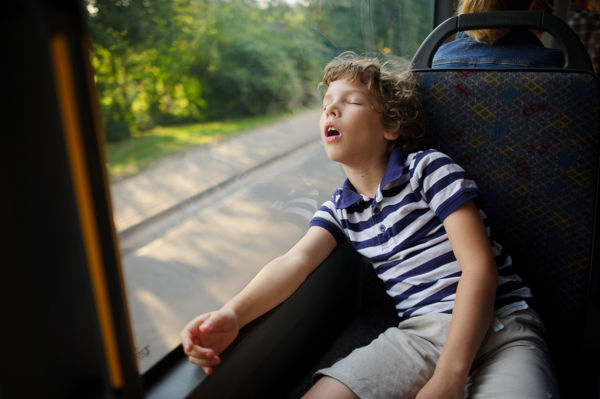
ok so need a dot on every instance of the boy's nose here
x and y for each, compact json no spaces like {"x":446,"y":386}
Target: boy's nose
{"x":332,"y":109}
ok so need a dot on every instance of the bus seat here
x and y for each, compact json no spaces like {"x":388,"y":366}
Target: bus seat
{"x":529,"y":138}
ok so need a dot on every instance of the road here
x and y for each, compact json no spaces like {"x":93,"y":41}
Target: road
{"x":193,"y":254}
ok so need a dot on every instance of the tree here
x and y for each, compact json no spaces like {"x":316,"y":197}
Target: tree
{"x":135,"y":47}
{"x":173,"y":61}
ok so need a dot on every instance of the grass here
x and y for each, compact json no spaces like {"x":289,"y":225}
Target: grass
{"x":129,"y":157}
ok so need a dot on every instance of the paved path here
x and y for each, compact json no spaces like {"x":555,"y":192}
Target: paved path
{"x":175,"y":180}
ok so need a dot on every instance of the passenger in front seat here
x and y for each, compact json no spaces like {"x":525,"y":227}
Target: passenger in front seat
{"x":498,"y":48}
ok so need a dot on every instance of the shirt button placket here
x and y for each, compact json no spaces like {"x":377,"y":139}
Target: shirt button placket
{"x":377,"y":220}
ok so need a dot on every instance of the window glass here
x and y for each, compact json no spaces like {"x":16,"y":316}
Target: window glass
{"x":210,"y":112}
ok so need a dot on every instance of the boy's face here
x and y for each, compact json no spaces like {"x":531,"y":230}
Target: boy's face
{"x":351,"y":130}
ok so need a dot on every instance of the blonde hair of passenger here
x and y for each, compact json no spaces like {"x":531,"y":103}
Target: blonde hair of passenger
{"x":490,"y":36}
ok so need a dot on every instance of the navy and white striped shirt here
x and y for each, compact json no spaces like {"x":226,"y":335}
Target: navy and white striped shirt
{"x":401,"y":233}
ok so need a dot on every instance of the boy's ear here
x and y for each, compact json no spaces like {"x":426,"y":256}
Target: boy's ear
{"x":391,"y":135}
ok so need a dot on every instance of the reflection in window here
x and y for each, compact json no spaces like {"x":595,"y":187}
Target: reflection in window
{"x":211,"y":121}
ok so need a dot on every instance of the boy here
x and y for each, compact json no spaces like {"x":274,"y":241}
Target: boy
{"x":412,"y":216}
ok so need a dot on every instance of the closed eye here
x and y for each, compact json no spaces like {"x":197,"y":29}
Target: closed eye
{"x":354,"y":102}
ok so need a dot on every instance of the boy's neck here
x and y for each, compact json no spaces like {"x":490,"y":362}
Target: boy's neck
{"x":366,"y":178}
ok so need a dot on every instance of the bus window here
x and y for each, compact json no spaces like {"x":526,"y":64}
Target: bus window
{"x":210,"y":112}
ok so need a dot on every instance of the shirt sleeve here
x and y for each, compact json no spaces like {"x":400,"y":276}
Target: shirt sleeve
{"x":442,"y":183}
{"x":326,"y":218}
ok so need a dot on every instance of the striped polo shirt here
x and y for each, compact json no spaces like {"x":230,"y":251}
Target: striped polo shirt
{"x":400,"y":232}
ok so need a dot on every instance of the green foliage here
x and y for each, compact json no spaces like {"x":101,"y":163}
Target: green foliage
{"x":162,"y":62}
{"x":116,"y":129}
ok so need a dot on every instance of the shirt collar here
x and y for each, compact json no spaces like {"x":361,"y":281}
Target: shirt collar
{"x":395,"y":167}
{"x":348,"y":195}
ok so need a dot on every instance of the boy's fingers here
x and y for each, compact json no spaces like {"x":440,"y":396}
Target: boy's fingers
{"x":201,"y":353}
{"x":186,"y":340}
{"x":195,"y":322}
{"x":207,"y":325}
{"x":190,"y":331}
{"x":214,"y":361}
{"x":192,"y":325}
{"x":216,"y":323}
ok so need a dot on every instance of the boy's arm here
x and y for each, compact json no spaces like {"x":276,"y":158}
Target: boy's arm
{"x":474,"y":303}
{"x":206,"y":336}
{"x":282,"y":276}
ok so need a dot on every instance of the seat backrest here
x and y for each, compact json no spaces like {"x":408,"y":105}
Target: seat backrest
{"x":529,"y":138}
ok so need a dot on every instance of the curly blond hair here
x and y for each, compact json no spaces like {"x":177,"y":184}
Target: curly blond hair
{"x":395,"y":93}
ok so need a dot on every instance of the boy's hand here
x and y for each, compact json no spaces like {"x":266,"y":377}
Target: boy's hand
{"x":440,"y":386}
{"x":207,"y":336}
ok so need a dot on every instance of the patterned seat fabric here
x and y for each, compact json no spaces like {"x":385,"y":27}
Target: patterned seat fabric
{"x":530,"y":141}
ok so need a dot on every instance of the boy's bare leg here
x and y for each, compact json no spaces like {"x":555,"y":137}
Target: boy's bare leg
{"x":330,"y":388}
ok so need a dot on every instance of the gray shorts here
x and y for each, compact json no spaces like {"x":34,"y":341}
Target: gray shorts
{"x":512,"y":362}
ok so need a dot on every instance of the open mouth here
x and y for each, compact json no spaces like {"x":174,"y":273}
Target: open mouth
{"x":331,"y":133}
